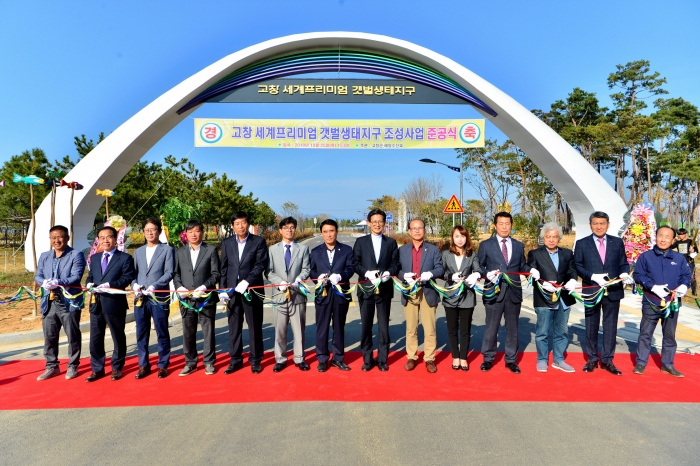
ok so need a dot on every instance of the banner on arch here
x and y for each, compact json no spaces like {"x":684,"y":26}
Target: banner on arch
{"x":339,"y":134}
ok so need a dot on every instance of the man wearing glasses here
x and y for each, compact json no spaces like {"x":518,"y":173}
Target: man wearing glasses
{"x":289,"y":265}
{"x":376,"y":260}
{"x":112,"y":269}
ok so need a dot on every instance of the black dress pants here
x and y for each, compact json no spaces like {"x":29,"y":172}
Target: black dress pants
{"x":116,"y":322}
{"x":368,"y":305}
{"x":459,"y":321}
{"x":333,"y":308}
{"x":206,"y":318}
{"x":237,"y":309}
{"x":610,"y":311}
{"x":494,"y":311}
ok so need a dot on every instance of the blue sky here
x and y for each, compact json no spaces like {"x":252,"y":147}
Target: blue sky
{"x":71,"y":68}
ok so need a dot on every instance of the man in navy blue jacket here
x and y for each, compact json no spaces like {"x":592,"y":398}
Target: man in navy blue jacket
{"x":600,"y":258}
{"x":333,"y":264}
{"x":659,"y":271}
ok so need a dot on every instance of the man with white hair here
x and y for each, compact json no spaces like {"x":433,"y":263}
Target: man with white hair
{"x":556,"y":266}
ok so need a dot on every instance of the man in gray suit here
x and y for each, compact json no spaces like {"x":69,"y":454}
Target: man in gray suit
{"x":154,"y":263}
{"x":420,"y":261}
{"x":62,"y":266}
{"x":197,"y":270}
{"x":289,"y":265}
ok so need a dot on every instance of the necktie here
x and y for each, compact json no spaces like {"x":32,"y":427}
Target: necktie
{"x":287,"y":255}
{"x":105,"y":262}
{"x":601,"y":249}
{"x":504,"y":250}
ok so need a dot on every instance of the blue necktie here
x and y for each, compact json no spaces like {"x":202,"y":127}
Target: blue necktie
{"x":105,"y":262}
{"x":287,"y":255}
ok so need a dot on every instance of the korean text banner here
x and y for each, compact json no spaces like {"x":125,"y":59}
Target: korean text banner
{"x":339,"y":134}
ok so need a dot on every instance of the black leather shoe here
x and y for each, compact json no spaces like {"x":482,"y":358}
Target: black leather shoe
{"x":95,"y":376}
{"x":590,"y":366}
{"x":279,"y":367}
{"x":638,"y":369}
{"x":162,"y":373}
{"x":143,"y":373}
{"x":513,"y":367}
{"x":116,"y":375}
{"x":382,"y":366}
{"x":340,"y":365}
{"x":611,"y":368}
{"x":322,"y":367}
{"x":233,"y":368}
{"x":486,"y":366}
{"x":256,"y":368}
{"x":670,"y":370}
{"x":367,"y":366}
{"x":303,"y":366}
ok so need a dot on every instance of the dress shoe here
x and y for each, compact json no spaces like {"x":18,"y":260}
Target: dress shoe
{"x":143,"y":372}
{"x":486,"y":366}
{"x":233,"y":368}
{"x":511,"y":366}
{"x":340,"y":365}
{"x":49,"y":373}
{"x":671,"y":371}
{"x":279,"y":367}
{"x":72,"y":372}
{"x":256,"y":368}
{"x":187,"y":370}
{"x":382,"y":366}
{"x":162,"y":373}
{"x":95,"y":376}
{"x":410,"y":365}
{"x":209,"y":369}
{"x":611,"y":368}
{"x":590,"y":366}
{"x":116,"y":375}
{"x":302,"y":366}
{"x":322,"y":367}
{"x":430,"y":366}
{"x":367,"y":366}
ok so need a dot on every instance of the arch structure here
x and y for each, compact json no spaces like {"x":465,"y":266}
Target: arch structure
{"x":581,"y":186}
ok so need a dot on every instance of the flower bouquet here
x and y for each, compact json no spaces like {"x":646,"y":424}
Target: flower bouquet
{"x":640,"y":235}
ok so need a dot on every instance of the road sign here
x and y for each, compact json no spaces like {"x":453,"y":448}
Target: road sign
{"x":389,"y":218}
{"x":453,"y":206}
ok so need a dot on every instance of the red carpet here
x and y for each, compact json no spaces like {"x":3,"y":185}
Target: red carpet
{"x":20,"y":390}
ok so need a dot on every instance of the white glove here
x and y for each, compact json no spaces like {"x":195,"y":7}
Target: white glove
{"x":472,"y":279}
{"x":409,"y":277}
{"x":571,"y":285}
{"x":535,"y":274}
{"x":492,"y":275}
{"x":52,"y":284}
{"x":89,"y":285}
{"x":681,"y":291}
{"x":282,"y":287}
{"x":322,"y":277}
{"x":693,"y":255}
{"x":599,"y":278}
{"x":372,"y":275}
{"x":149,"y":291}
{"x":102,"y":287}
{"x":660,"y":291}
{"x":335,"y":278}
{"x":456,"y":277}
{"x":386,"y":276}
{"x":626,"y":279}
{"x":224,"y":297}
{"x":297,"y":281}
{"x":425,"y":276}
{"x":136,"y":287}
{"x":547,"y":286}
{"x":182,"y":291}
{"x":242,"y":286}
{"x":45,"y":284}
{"x":199,"y":291}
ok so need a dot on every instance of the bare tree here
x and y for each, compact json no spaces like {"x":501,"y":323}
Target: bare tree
{"x":421,"y":196}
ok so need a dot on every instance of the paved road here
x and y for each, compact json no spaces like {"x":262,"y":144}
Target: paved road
{"x":355,"y":433}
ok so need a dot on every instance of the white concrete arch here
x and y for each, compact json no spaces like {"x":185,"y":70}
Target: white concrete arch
{"x":580,"y":185}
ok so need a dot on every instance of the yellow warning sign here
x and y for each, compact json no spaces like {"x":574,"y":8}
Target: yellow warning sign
{"x":453,"y":206}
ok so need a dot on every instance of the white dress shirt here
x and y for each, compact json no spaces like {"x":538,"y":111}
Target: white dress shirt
{"x":241,"y":245}
{"x":509,"y":246}
{"x":194,"y":254}
{"x":377,"y":245}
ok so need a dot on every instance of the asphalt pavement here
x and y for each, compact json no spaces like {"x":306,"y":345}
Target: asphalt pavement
{"x":361,"y":433}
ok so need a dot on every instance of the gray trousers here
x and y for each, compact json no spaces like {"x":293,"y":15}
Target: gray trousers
{"x":52,"y":322}
{"x":294,"y":314}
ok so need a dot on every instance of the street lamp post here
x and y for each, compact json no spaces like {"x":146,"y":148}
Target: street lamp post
{"x":461,"y":183}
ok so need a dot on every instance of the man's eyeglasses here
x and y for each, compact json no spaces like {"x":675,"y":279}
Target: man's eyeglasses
{"x":289,"y":228}
{"x":381,"y":222}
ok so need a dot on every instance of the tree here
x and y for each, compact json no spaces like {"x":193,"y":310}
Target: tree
{"x":423,"y":197}
{"x":290,"y":209}
{"x":387,"y":203}
{"x":14,"y":197}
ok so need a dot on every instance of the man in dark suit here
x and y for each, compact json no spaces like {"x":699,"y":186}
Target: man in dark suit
{"x":112,"y":269}
{"x":376,"y":260}
{"x":154,"y":265}
{"x":556,"y":265}
{"x":333,"y":264}
{"x":62,"y":266}
{"x":197,"y":270}
{"x":502,"y":254}
{"x":420,"y":261}
{"x":600,"y":258}
{"x":244,"y":259}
